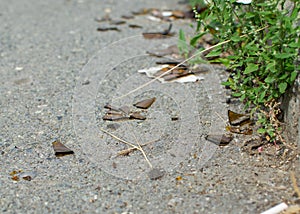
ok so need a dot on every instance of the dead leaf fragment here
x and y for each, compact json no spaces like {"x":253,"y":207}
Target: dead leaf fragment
{"x":144,"y":104}
{"x":60,"y":149}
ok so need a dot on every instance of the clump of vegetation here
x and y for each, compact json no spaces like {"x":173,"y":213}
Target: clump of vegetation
{"x":263,"y":45}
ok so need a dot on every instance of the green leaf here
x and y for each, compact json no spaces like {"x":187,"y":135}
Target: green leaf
{"x":282,"y":87}
{"x":237,"y":94}
{"x":262,"y":97}
{"x":236,"y":38}
{"x":249,"y":15}
{"x":224,"y":61}
{"x":271,"y":67}
{"x":226,"y":83}
{"x":182,"y":35}
{"x":182,"y":45}
{"x":194,"y":40}
{"x":270,"y":79}
{"x":215,"y":52}
{"x":293,"y":76}
{"x":283,"y":55}
{"x":261,"y":131}
{"x":294,"y":45}
{"x":250,"y":68}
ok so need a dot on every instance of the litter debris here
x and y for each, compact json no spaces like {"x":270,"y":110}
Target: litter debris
{"x":159,"y":35}
{"x":277,"y":209}
{"x":239,"y":123}
{"x":60,"y":149}
{"x":144,"y":104}
{"x":134,"y":26}
{"x":173,"y":73}
{"x":246,"y":130}
{"x":127,"y":17}
{"x":102,"y":29}
{"x":220,"y":140}
{"x":16,"y":175}
{"x":236,"y":119}
{"x":123,"y":113}
{"x":117,"y":22}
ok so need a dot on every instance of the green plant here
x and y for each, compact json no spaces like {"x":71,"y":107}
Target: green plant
{"x":264,"y":45}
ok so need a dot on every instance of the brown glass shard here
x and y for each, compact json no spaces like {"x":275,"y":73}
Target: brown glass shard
{"x":110,"y":107}
{"x":137,"y":116}
{"x":246,"y":130}
{"x":117,"y":22}
{"x":114,"y":117}
{"x":173,"y":62}
{"x":159,"y":35}
{"x":220,"y":139}
{"x":144,"y":104}
{"x":102,"y":29}
{"x":125,"y":109}
{"x":135,"y":26}
{"x":60,"y":149}
{"x":127,"y":17}
{"x":236,"y":119}
{"x":178,"y":14}
{"x":142,"y":11}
